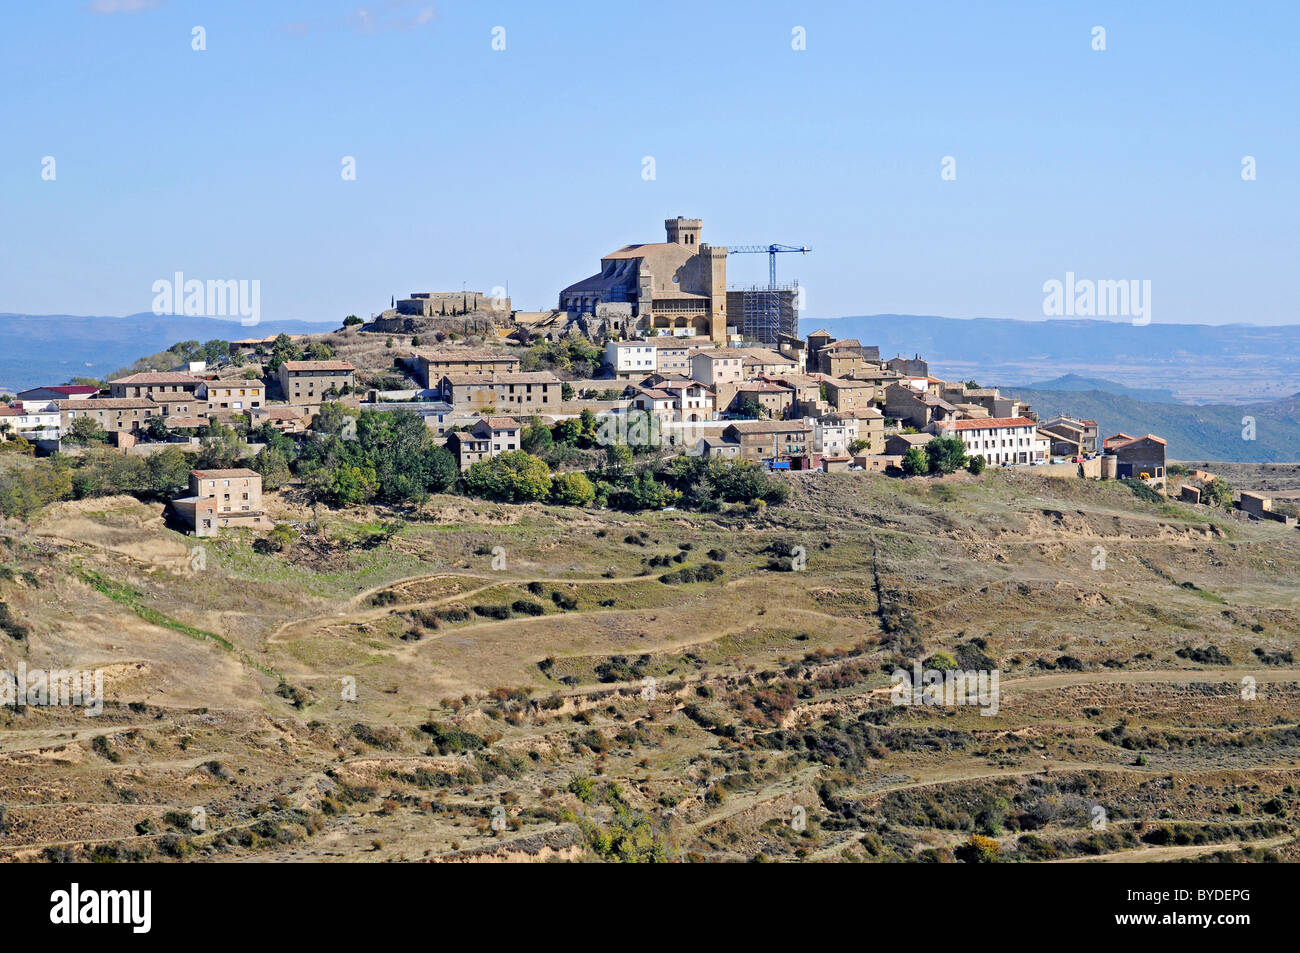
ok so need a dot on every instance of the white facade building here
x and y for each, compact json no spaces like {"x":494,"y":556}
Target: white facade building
{"x":999,"y":440}
{"x":632,"y":358}
{"x":30,"y":418}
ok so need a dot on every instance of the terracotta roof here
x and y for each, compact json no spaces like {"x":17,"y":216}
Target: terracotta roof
{"x":465,"y":355}
{"x":763,"y":355}
{"x":502,"y":423}
{"x":185,"y":422}
{"x":319,"y":365}
{"x":1133,"y":440}
{"x":636,"y":251}
{"x":224,"y":474}
{"x":766,"y":387}
{"x":277,"y":413}
{"x":860,"y":413}
{"x":522,"y":377}
{"x":987,"y":423}
{"x":161,"y":377}
{"x":670,"y":340}
{"x":718,"y":353}
{"x":109,"y":403}
{"x":235,"y":382}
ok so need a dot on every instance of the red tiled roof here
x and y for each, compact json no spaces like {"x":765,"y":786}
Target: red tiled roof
{"x":1132,"y":440}
{"x":987,"y":423}
{"x":224,"y":474}
{"x":67,"y":389}
{"x":159,"y":377}
{"x":113,"y":403}
{"x":319,"y":365}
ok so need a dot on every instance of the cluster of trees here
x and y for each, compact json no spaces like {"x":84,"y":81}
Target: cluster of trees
{"x":284,"y":349}
{"x":215,"y":352}
{"x":25,"y":489}
{"x":941,"y":455}
{"x":354,"y":457}
{"x":358,"y":457}
{"x":576,"y":356}
{"x":695,"y":482}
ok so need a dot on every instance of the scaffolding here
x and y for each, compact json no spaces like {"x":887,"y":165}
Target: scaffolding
{"x":768,"y":311}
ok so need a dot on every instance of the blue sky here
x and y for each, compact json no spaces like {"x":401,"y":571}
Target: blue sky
{"x":479,"y":167}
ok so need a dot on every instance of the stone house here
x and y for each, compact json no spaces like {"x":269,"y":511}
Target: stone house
{"x":429,"y":367}
{"x":310,"y":383}
{"x":766,"y":440}
{"x":526,"y":392}
{"x":160,"y":386}
{"x":222,"y":499}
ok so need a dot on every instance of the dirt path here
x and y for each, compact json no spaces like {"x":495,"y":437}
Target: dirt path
{"x":369,"y":614}
{"x":1155,"y":855}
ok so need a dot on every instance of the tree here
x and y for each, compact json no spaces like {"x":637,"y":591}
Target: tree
{"x":536,"y":439}
{"x":976,"y":464}
{"x":914,"y":462}
{"x":220,"y":447}
{"x":169,"y":472}
{"x":567,"y":432}
{"x":216,"y":351}
{"x":273,"y":466}
{"x":857,"y":446}
{"x":351,"y":321}
{"x":618,"y":457}
{"x":85,"y":430}
{"x":335,"y":419}
{"x":566,"y":391}
{"x":751,"y":409}
{"x":512,"y":477}
{"x":156,"y":428}
{"x":1219,"y":492}
{"x":945,"y":454}
{"x":572,"y":489}
{"x":647,"y":493}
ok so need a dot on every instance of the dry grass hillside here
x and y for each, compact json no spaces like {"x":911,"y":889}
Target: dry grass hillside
{"x":480,"y":682}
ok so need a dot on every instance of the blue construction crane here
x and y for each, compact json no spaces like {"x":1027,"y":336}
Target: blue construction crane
{"x":771,"y":251}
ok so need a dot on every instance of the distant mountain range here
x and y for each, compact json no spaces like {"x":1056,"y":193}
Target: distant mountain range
{"x":1203,"y":432}
{"x":1237,"y":363}
{"x":1190,"y":384}
{"x":1073,"y":382}
{"x":51,"y":348}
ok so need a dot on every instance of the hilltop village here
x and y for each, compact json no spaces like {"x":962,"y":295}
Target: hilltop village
{"x":649,"y":380}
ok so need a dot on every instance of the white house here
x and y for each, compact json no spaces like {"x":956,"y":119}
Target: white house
{"x":832,"y":434}
{"x":635,"y":358}
{"x":718,"y":365}
{"x":998,"y":440}
{"x":692,"y":401}
{"x":32,"y":418}
{"x":503,"y":432}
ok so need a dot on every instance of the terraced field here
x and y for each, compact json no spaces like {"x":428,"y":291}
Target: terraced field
{"x":482,"y":682}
